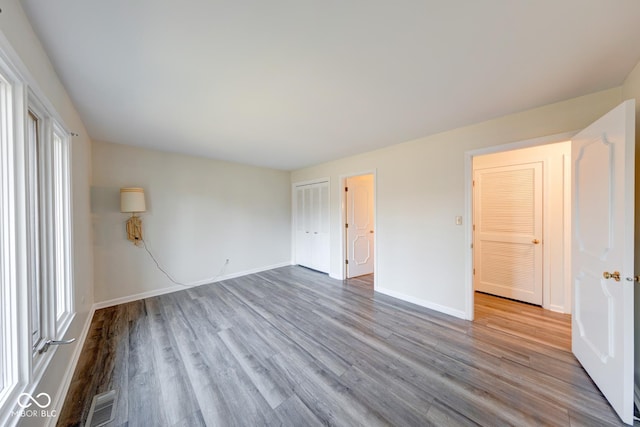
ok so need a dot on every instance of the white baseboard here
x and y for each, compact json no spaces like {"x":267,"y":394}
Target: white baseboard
{"x":61,"y":394}
{"x":424,"y":303}
{"x":136,"y":297}
{"x":255,"y":270}
{"x":175,"y":288}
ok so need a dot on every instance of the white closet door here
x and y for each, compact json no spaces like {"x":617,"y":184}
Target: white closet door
{"x":303,"y":249}
{"x":312,"y":226}
{"x":320,"y":245}
{"x":508,"y":231}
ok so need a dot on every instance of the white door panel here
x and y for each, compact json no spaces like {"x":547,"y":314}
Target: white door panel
{"x":508,"y":231}
{"x":303,"y":254}
{"x":360,"y":225}
{"x":603,"y":239}
{"x":320,"y":238}
{"x":312,"y":226}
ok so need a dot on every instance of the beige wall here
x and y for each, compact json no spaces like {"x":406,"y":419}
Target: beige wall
{"x":200,"y":212}
{"x":631,"y":89}
{"x":17,"y":30}
{"x":421,"y":188}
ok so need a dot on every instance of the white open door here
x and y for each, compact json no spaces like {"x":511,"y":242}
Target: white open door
{"x":602,"y":254}
{"x":360,"y":225}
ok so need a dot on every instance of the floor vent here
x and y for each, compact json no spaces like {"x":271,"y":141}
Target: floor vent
{"x":103,"y":409}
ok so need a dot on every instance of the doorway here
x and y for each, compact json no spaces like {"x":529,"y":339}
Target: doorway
{"x":521,"y":205}
{"x":359,"y":226}
{"x":521,"y":225}
{"x":599,"y":250}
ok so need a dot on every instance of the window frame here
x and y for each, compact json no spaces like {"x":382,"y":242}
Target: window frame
{"x":8,"y":262}
{"x":22,"y":368}
{"x":34,"y":181}
{"x":17,"y":357}
{"x":63,"y":303}
{"x":42,"y":200}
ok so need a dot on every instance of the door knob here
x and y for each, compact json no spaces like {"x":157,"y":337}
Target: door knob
{"x":535,"y":241}
{"x":615,"y":275}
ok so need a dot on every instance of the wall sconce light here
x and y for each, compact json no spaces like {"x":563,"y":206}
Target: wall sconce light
{"x":132,"y":201}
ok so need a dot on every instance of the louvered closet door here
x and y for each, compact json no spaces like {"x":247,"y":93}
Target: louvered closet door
{"x":508,"y":231}
{"x":303,"y":225}
{"x":320,"y":245}
{"x":312,"y":226}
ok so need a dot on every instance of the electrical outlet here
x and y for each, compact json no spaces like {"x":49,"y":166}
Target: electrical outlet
{"x":458,"y":220}
{"x":227,"y":261}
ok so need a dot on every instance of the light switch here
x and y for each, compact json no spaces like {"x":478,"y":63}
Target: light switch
{"x":458,"y":220}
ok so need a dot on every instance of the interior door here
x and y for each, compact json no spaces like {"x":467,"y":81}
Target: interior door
{"x":360,"y":225}
{"x":303,"y":226}
{"x":508,"y":231}
{"x":603,"y":254}
{"x":312,"y":226}
{"x":320,"y":238}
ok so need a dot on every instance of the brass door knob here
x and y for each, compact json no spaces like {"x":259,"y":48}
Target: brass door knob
{"x":615,"y":275}
{"x":535,"y":241}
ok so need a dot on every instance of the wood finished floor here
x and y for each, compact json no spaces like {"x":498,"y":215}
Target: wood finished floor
{"x":293,"y":347}
{"x":523,"y":320}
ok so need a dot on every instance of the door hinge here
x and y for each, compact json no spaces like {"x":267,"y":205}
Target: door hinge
{"x":346,"y":261}
{"x":346,"y":226}
{"x":473,"y":183}
{"x":474,"y":227}
{"x":346,"y":188}
{"x":474,"y":271}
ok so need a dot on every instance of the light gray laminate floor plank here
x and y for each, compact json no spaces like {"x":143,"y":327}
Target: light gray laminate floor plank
{"x":294,"y":413}
{"x":145,"y":397}
{"x":177,"y":394}
{"x":293,"y":347}
{"x":397,"y":402}
{"x":255,"y":369}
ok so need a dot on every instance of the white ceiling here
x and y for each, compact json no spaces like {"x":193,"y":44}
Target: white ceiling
{"x":292,"y":83}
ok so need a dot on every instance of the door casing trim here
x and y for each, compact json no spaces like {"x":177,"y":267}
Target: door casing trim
{"x":468,"y":201}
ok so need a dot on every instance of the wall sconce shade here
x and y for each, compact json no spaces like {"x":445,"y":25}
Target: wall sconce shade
{"x":132,"y":200}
